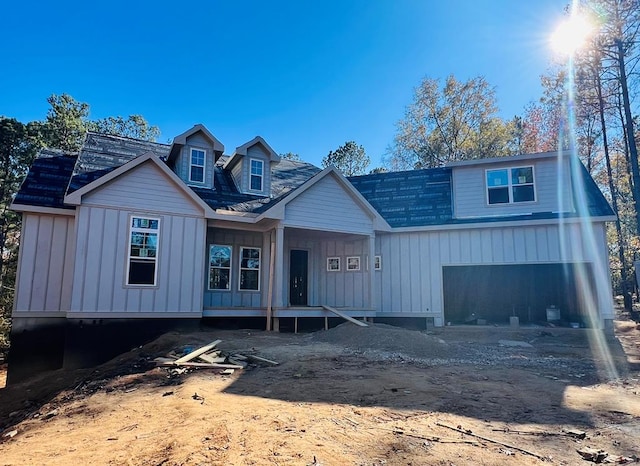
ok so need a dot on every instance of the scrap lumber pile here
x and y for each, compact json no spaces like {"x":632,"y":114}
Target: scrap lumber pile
{"x":210,"y":357}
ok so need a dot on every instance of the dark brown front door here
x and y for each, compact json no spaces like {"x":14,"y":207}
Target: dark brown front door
{"x":298,"y":273}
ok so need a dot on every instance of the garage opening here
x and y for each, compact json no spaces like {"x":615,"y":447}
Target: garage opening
{"x":497,"y":292}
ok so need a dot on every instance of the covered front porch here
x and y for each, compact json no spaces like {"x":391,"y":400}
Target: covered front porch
{"x":300,"y":271}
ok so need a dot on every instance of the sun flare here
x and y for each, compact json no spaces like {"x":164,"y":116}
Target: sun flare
{"x":571,"y":34}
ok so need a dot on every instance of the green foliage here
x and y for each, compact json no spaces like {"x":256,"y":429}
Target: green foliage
{"x":66,"y":123}
{"x":18,"y":146}
{"x":457,"y":121}
{"x":378,"y":170}
{"x":64,"y":128}
{"x":350,"y":159}
{"x":135,"y":126}
{"x":291,"y":156}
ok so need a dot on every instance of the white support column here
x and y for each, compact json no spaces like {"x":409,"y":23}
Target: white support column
{"x":267,"y":239}
{"x":279,"y":275}
{"x":372,"y":271}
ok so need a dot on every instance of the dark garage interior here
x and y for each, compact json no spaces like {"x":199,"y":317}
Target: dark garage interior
{"x":497,"y":292}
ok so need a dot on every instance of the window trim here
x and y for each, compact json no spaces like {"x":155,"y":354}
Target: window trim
{"x":377,"y":262}
{"x":261,"y":175}
{"x":130,"y":230}
{"x":329,"y":260}
{"x":230,"y":268}
{"x":356,"y":260}
{"x":510,"y":185}
{"x":240,"y":269}
{"x":204,"y":164}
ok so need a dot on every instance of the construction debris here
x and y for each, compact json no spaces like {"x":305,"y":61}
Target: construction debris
{"x":179,"y":362}
{"x":486,"y":439}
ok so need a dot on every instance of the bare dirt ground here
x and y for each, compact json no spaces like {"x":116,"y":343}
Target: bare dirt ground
{"x":347,"y":396}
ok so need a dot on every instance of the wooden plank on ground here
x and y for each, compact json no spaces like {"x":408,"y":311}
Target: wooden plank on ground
{"x":344,"y":316}
{"x":198,"y":352}
{"x":237,"y":363}
{"x":251,"y":357}
{"x":212,"y":359}
{"x":204,"y":365}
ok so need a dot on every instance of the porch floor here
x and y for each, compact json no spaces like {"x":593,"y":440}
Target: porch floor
{"x":298,"y":311}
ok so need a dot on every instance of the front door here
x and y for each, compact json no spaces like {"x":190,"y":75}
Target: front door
{"x":298,"y":273}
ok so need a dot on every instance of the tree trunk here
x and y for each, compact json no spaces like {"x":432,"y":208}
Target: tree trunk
{"x":630,"y":139}
{"x":614,"y":199}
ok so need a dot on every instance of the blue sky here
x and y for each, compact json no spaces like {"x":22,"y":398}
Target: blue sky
{"x":307,"y":76}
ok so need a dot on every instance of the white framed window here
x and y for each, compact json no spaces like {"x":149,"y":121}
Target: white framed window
{"x":249,"y":269}
{"x":377,"y":263}
{"x":256,"y":175}
{"x":142,"y":252}
{"x":353,"y":263}
{"x":333,"y":264}
{"x":510,"y":185}
{"x":220,"y":267}
{"x":196,"y":165}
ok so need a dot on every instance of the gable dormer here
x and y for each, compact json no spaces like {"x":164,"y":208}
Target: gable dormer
{"x":193,"y":156}
{"x":250,"y":165}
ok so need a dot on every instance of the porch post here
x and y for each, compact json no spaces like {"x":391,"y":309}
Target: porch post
{"x":278,"y":283}
{"x":372,"y":271}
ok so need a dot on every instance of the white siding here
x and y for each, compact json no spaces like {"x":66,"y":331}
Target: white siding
{"x":45,"y":269}
{"x":234,"y":297}
{"x":470,"y":192}
{"x":101,"y":255}
{"x":257,"y":152}
{"x":344,"y":288}
{"x":145,"y":187}
{"x":328,"y":206}
{"x":411,"y":277}
{"x":196,"y":141}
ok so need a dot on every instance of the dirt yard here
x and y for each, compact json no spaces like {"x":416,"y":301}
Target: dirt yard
{"x":346,"y":396}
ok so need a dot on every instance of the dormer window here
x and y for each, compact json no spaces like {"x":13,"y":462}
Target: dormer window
{"x":257,"y":173}
{"x":196,"y":166}
{"x":510,"y":185}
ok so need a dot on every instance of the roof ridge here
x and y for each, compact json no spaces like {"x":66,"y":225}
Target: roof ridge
{"x":118,"y":136}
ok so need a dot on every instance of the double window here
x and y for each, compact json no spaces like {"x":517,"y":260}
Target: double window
{"x":143,"y":251}
{"x":220,"y":260}
{"x":510,"y":185}
{"x":196,"y":165}
{"x":257,"y":174}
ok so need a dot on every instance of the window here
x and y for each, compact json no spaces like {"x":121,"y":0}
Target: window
{"x":257,"y":168}
{"x":377,"y":264}
{"x":196,"y":166}
{"x":353,"y":263}
{"x":510,"y":185}
{"x":219,"y":267}
{"x":143,"y":251}
{"x":249,"y":269}
{"x":333,"y":264}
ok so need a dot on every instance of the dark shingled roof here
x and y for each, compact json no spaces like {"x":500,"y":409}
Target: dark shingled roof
{"x":409,"y":198}
{"x":403,"y":199}
{"x":286,"y":176}
{"x":423,"y":197}
{"x":102,"y":153}
{"x":46,"y":183}
{"x":596,"y":204}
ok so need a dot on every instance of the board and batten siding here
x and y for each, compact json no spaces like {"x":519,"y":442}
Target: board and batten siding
{"x":327,"y":206}
{"x":45,"y":271}
{"x":344,"y":288}
{"x":411,"y":277}
{"x":234,"y":297}
{"x":146,"y":188}
{"x":101,"y":264}
{"x":470,"y":189}
{"x":196,"y":141}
